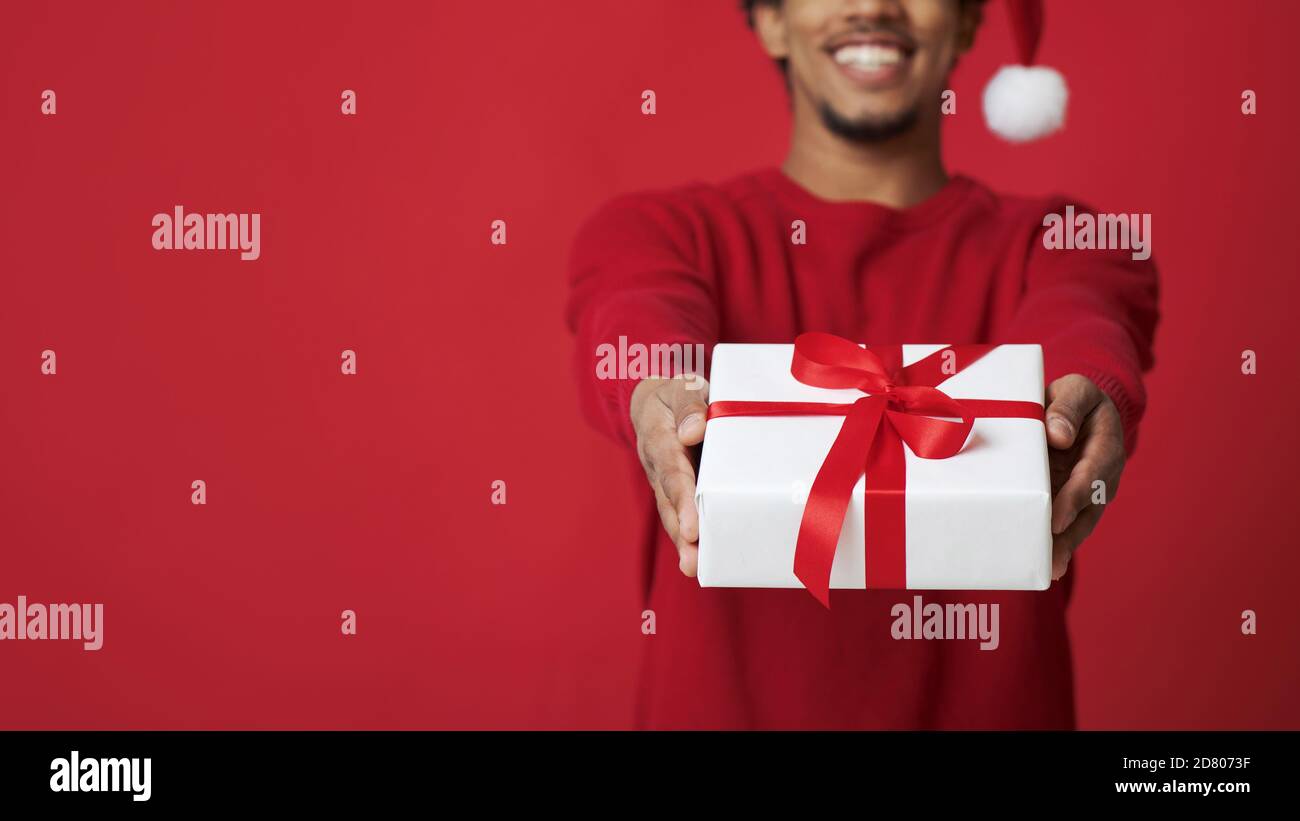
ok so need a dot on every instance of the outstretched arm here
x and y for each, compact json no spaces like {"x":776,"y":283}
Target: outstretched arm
{"x":1094,"y":312}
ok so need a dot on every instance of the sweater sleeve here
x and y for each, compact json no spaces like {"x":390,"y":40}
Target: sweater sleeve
{"x":1095,"y":313}
{"x":633,"y":274}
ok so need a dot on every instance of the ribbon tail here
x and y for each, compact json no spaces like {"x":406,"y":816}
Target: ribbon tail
{"x":828,"y":500}
{"x":886,"y":511}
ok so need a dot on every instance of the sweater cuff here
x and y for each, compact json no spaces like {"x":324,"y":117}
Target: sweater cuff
{"x":623,"y":407}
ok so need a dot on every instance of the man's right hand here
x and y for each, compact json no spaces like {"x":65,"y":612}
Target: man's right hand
{"x":668,"y":416}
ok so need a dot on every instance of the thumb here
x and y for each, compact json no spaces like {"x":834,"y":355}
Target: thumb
{"x":1070,"y":400}
{"x":690,"y":406}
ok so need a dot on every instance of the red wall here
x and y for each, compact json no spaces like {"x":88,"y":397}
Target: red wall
{"x":372,"y":492}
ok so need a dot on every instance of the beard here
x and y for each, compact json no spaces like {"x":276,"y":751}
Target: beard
{"x":868,"y":129}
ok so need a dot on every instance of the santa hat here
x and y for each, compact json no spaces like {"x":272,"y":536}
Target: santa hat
{"x":1025,"y":102}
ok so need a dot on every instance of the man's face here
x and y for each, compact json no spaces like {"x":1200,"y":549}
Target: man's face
{"x":869,"y":68}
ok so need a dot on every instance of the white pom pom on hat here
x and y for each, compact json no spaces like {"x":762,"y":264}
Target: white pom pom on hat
{"x":1025,"y":102}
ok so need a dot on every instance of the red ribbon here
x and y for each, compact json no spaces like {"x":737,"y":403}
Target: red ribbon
{"x":901,"y":408}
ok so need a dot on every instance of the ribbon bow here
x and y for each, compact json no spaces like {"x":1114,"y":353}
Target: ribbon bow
{"x":901,"y":408}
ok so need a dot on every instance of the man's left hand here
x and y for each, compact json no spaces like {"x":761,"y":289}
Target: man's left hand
{"x":1085,"y":445}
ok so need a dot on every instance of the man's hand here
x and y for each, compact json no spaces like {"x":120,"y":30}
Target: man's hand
{"x":669,"y":417}
{"x":1085,"y":445}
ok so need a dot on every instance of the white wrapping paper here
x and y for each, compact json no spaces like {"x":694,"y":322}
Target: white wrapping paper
{"x":980,"y":520}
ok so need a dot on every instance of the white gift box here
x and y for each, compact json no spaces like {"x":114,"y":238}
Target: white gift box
{"x":979,"y":520}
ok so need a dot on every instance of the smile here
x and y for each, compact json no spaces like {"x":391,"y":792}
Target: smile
{"x":873,"y":61}
{"x":868,"y":57}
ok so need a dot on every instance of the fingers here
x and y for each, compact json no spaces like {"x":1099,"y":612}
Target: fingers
{"x":673,"y":482}
{"x":1070,"y":400}
{"x":1096,"y":447}
{"x":679,"y":486}
{"x":667,"y":424}
{"x":687,"y":553}
{"x":675,"y":493}
{"x":1100,"y":459}
{"x":669,"y":468}
{"x":688,"y":558}
{"x":1064,"y":544}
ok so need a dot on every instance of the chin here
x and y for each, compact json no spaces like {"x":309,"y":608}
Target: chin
{"x":873,"y":124}
{"x":881,"y":107}
{"x":873,"y":116}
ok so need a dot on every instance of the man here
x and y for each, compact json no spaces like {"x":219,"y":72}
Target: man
{"x":896,"y":251}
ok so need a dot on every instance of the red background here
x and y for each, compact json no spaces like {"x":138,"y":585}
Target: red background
{"x":372,"y":492}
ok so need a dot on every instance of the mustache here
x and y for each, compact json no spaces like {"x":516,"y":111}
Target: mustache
{"x":896,"y":31}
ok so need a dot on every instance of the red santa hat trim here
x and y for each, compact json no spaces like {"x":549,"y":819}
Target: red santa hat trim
{"x":1024,"y":102}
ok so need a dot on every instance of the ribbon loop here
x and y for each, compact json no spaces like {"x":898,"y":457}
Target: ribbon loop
{"x":828,"y":361}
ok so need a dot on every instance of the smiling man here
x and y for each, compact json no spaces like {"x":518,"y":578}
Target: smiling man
{"x":897,"y":250}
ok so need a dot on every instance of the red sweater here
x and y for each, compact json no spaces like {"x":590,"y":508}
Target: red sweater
{"x":715,"y":263}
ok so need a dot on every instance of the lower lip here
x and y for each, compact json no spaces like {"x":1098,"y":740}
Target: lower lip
{"x":882,"y":77}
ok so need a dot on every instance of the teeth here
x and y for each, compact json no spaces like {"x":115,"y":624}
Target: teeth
{"x":867,"y":57}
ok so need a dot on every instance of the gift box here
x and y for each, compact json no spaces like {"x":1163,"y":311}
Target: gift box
{"x":828,"y":464}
